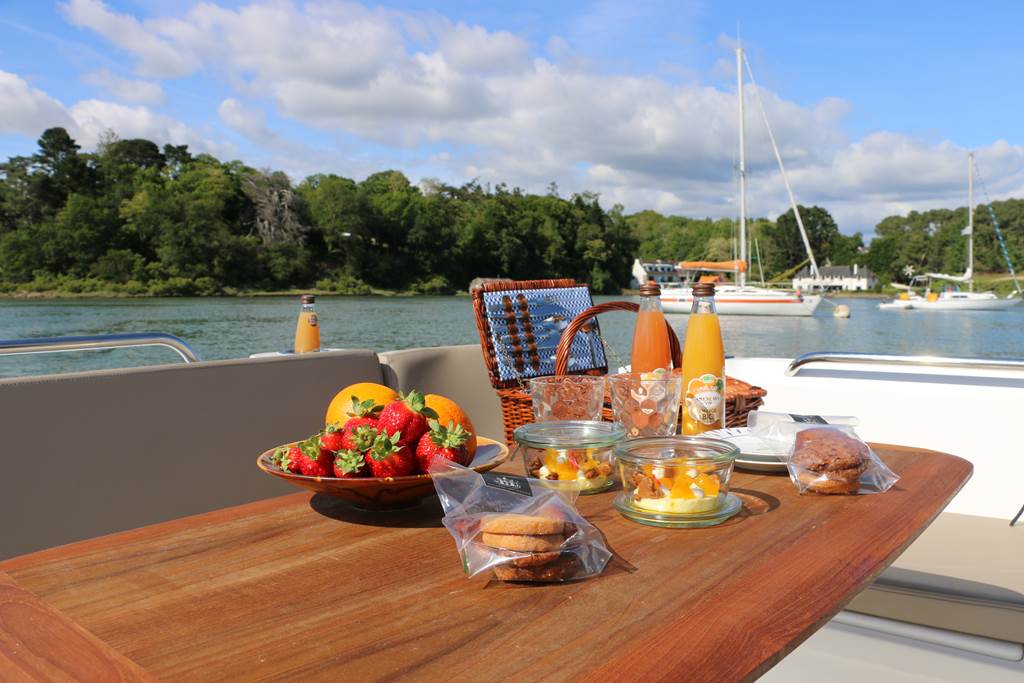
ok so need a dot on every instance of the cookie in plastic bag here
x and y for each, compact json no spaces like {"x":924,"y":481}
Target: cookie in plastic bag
{"x":503,"y":524}
{"x":833,"y":460}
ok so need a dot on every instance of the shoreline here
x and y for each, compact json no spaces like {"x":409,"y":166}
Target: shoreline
{"x":51,"y":295}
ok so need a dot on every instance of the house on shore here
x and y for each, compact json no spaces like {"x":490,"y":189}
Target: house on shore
{"x":845,"y":278}
{"x":659,"y":271}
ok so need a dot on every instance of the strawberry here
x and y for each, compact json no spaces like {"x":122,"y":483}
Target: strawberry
{"x":349,"y":464}
{"x":331,"y":438}
{"x":448,"y":443}
{"x":358,"y":434}
{"x":406,"y":417}
{"x":388,"y":457}
{"x":320,"y":460}
{"x":289,"y":458}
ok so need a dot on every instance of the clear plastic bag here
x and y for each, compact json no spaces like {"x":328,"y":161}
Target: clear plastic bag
{"x":832,"y":459}
{"x":486,"y":513}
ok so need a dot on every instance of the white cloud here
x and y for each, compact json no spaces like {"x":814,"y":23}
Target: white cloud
{"x":94,"y":117}
{"x":27,"y":110}
{"x":157,"y":57}
{"x":250,"y":122}
{"x":127,"y":89}
{"x":412,"y":82}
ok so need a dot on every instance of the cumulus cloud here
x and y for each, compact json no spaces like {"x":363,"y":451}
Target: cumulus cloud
{"x":157,"y":57}
{"x":127,"y":89}
{"x":27,"y":110}
{"x":93,"y":118}
{"x":412,"y":82}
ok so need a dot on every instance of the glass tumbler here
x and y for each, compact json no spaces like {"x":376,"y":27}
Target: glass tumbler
{"x":567,"y":397}
{"x":646,"y":406}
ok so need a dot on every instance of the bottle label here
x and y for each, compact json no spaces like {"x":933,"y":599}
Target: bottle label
{"x":312,"y":320}
{"x":705,"y":399}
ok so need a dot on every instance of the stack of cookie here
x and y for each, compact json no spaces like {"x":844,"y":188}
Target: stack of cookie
{"x":530,"y":547}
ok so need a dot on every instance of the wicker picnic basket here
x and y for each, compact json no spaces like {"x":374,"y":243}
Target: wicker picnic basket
{"x":516,"y":405}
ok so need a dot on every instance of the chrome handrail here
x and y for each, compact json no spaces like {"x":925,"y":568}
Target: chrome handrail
{"x":9,"y":347}
{"x":893,"y":359}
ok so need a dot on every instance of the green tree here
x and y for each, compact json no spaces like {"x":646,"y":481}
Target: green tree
{"x":784,"y":247}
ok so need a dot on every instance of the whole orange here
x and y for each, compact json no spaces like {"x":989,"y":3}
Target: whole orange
{"x":449,"y":411}
{"x":340,"y":409}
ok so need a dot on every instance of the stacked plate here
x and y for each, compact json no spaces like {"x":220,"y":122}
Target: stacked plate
{"x":756,"y":453}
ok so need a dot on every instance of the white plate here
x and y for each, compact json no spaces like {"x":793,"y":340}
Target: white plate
{"x":756,"y":453}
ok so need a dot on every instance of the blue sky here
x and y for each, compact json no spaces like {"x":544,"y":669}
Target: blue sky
{"x":875,"y":104}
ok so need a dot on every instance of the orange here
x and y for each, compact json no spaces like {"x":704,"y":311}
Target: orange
{"x":340,"y":409}
{"x":449,"y":411}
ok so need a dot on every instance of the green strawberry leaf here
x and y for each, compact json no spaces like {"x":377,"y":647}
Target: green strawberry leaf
{"x":349,"y":462}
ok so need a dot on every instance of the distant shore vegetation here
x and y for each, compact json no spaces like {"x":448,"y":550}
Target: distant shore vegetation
{"x":136,"y":219}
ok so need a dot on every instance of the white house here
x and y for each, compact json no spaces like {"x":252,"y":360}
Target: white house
{"x":659,"y":271}
{"x":846,"y":278}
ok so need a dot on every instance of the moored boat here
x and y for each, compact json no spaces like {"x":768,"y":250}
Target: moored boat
{"x":744,"y":300}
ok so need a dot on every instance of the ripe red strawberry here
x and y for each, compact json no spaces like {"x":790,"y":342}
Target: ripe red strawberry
{"x":358,"y":434}
{"x":320,"y":460}
{"x":331,"y":438}
{"x":388,"y":457}
{"x":406,"y":417}
{"x":349,"y":464}
{"x":289,"y":458}
{"x":448,"y":443}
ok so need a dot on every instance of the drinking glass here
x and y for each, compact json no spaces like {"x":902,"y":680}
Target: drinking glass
{"x":646,"y":407}
{"x":567,"y":397}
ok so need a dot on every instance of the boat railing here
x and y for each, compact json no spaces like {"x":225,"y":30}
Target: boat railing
{"x":894,"y":359}
{"x":10,"y":347}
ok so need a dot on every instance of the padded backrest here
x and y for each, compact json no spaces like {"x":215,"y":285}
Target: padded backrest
{"x":457,"y":372}
{"x":88,"y":454}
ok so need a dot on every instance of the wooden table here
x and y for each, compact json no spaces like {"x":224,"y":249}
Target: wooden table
{"x":306,"y":588}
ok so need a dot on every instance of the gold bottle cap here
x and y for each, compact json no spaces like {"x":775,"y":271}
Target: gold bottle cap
{"x":651,"y":288}
{"x":704,"y":289}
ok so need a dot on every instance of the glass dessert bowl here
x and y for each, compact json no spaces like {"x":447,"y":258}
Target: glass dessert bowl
{"x":570,"y":454}
{"x":676,"y":481}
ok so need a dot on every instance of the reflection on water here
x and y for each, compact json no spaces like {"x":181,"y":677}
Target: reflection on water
{"x":236,"y":327}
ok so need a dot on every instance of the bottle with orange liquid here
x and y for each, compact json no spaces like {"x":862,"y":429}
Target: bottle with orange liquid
{"x":650,"y":337}
{"x":703,"y":365}
{"x":307,"y":330}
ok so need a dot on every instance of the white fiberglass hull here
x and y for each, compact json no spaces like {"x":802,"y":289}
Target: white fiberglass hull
{"x":980,"y":303}
{"x":897,"y":305}
{"x":745,"y":301}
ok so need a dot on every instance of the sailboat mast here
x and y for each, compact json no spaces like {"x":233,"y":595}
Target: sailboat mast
{"x":743,"y":171}
{"x":970,"y":219}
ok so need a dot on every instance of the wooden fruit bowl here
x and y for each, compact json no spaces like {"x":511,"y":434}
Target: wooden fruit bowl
{"x":374,"y":493}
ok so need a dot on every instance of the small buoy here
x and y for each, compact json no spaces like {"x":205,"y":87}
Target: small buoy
{"x":841,"y":311}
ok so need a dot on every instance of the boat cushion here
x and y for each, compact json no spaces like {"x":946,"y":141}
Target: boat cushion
{"x":457,"y":372}
{"x":87,"y":454}
{"x":964,"y":573}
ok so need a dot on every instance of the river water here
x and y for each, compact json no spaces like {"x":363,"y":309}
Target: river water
{"x":237,"y":327}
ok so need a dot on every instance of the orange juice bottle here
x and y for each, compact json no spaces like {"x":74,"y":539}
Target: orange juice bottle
{"x":650,"y":337}
{"x":703,"y":365}
{"x":307,"y":331}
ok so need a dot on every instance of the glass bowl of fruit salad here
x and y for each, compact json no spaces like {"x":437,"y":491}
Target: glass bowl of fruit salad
{"x":676,"y":481}
{"x":575,"y":455}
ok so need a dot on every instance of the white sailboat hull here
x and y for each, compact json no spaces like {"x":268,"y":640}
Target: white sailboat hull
{"x":977,"y":302}
{"x":745,"y":301}
{"x":896,"y":305}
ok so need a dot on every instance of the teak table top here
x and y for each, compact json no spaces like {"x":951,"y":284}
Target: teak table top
{"x":304,"y":587}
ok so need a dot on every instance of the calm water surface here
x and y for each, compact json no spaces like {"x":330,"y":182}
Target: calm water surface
{"x":237,"y":327}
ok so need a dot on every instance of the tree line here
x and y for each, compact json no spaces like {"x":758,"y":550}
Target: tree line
{"x":136,"y":218}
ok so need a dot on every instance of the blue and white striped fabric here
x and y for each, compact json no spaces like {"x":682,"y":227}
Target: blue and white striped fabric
{"x":509,"y":312}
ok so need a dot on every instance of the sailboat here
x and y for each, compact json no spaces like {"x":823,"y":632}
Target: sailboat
{"x":740,"y":298}
{"x":953,"y":298}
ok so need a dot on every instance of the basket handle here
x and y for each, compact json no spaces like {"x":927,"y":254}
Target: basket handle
{"x":565,"y":343}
